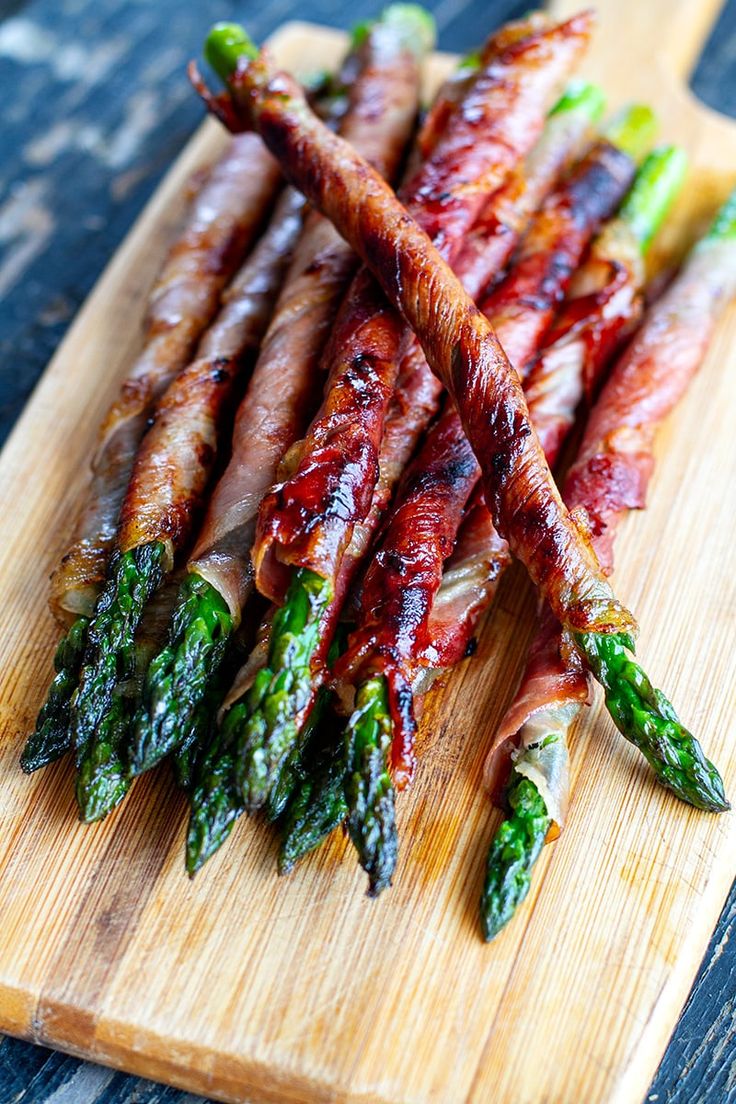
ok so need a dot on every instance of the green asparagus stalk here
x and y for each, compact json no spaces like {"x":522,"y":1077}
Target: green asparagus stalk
{"x":51,"y":737}
{"x":369,"y":791}
{"x":215,"y":805}
{"x":259,"y":733}
{"x":264,"y":726}
{"x":318,"y":804}
{"x":99,"y":718}
{"x":292,"y":771}
{"x":646,"y":718}
{"x":514,"y":850}
{"x":177,"y":679}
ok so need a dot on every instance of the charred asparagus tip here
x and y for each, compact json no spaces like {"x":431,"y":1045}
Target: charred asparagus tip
{"x":633,"y":130}
{"x":369,"y":789}
{"x":582,"y":97}
{"x":225,"y":45}
{"x":514,"y":850}
{"x":51,"y":737}
{"x":647,"y":719}
{"x":654,"y":190}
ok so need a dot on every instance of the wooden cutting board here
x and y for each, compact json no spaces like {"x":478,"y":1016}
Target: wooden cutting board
{"x":250,"y":988}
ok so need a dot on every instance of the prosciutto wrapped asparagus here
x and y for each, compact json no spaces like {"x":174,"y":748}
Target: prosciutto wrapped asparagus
{"x":608,"y":479}
{"x":331,"y":490}
{"x":459,"y":343}
{"x":175,"y":460}
{"x":165,"y":490}
{"x":406,"y":629}
{"x":280,"y":395}
{"x":226,"y":214}
{"x":198,"y":391}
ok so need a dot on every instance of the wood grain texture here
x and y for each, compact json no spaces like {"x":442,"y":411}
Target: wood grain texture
{"x":302,"y":990}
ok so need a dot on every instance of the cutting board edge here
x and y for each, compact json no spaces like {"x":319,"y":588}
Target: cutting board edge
{"x":138,"y":1063}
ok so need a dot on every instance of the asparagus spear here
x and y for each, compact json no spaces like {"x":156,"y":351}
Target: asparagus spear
{"x":97,"y":708}
{"x":51,"y":738}
{"x":263,"y":727}
{"x":177,"y":678}
{"x":641,"y":713}
{"x":647,"y":719}
{"x":291,"y":773}
{"x":514,"y":850}
{"x":318,"y":804}
{"x":369,"y":790}
{"x":215,"y":805}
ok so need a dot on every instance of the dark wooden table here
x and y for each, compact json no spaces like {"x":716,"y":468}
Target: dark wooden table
{"x":94,"y":106}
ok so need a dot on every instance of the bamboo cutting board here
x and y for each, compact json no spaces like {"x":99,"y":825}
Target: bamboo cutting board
{"x":245,"y":987}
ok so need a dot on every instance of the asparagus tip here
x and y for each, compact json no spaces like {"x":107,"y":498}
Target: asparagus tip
{"x":654,"y":191}
{"x":645,"y":717}
{"x":514,"y":849}
{"x":98,"y":796}
{"x":633,"y":130}
{"x":368,"y":787}
{"x":724,"y":224}
{"x":582,"y":97}
{"x":225,"y":45}
{"x":414,"y":26}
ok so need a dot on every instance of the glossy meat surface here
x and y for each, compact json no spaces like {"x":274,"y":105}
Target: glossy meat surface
{"x":497,"y":122}
{"x":378,"y":123}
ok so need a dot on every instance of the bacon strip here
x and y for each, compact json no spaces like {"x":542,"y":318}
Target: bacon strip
{"x":222,"y":224}
{"x":307,"y":521}
{"x":404,"y":577}
{"x":276,"y":408}
{"x":615,"y":462}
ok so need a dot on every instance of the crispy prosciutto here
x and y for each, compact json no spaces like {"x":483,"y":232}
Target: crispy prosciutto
{"x":307,"y":521}
{"x":225,"y":217}
{"x":404,"y":576}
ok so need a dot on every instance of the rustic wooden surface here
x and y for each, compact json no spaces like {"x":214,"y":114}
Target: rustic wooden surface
{"x":68,"y":194}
